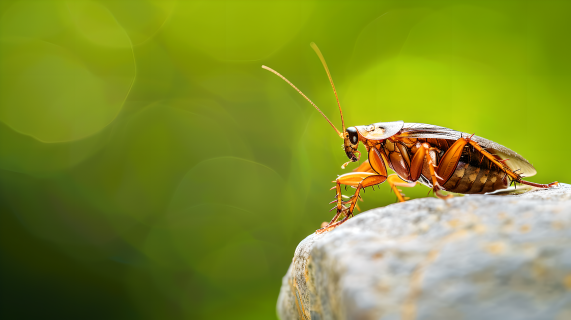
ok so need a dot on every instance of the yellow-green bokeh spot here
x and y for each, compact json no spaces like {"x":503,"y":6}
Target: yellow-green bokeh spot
{"x":61,"y":83}
{"x":141,"y":19}
{"x":232,"y":30}
{"x":95,"y":22}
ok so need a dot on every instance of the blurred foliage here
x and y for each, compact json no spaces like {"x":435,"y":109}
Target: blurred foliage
{"x":150,"y":169}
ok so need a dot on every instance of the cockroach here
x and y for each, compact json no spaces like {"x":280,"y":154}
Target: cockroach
{"x":440,"y":158}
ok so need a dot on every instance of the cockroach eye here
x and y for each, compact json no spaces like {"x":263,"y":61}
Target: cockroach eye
{"x":352,"y":131}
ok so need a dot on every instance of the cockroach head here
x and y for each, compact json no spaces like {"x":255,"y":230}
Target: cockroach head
{"x":351,"y":143}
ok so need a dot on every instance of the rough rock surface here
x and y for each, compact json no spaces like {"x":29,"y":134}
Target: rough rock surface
{"x":472,"y":257}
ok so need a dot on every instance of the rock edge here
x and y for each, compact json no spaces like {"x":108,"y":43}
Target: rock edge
{"x":472,"y":257}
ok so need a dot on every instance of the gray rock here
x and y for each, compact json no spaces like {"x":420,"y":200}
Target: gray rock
{"x":471,"y":257}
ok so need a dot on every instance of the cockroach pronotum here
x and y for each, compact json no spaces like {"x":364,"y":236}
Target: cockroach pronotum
{"x":440,"y":158}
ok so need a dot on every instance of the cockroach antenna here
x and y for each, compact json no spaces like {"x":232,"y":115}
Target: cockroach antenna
{"x":316,"y":49}
{"x":306,"y":98}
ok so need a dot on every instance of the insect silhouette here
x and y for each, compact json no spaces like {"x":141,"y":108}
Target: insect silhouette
{"x":440,"y":158}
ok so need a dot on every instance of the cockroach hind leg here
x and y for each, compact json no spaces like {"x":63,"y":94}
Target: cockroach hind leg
{"x":538,"y":185}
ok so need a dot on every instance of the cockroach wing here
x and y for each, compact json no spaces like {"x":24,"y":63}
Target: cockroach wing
{"x":380,"y":130}
{"x":515,"y":162}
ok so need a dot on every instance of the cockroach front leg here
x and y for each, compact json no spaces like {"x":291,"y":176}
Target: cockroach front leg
{"x":357,"y":180}
{"x":394,"y":180}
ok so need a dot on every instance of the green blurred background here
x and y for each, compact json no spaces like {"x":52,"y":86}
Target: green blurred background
{"x":150,"y":169}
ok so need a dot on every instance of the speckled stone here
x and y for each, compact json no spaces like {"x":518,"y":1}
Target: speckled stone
{"x":472,"y":257}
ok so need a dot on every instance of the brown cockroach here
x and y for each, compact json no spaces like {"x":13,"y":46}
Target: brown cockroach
{"x":440,"y":158}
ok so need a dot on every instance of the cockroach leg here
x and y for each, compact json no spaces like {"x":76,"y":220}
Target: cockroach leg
{"x":512,"y":174}
{"x":359,"y":180}
{"x":424,"y":154}
{"x":442,"y":196}
{"x":364,"y":167}
{"x":395,"y":181}
{"x":450,"y":160}
{"x":533,"y":184}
